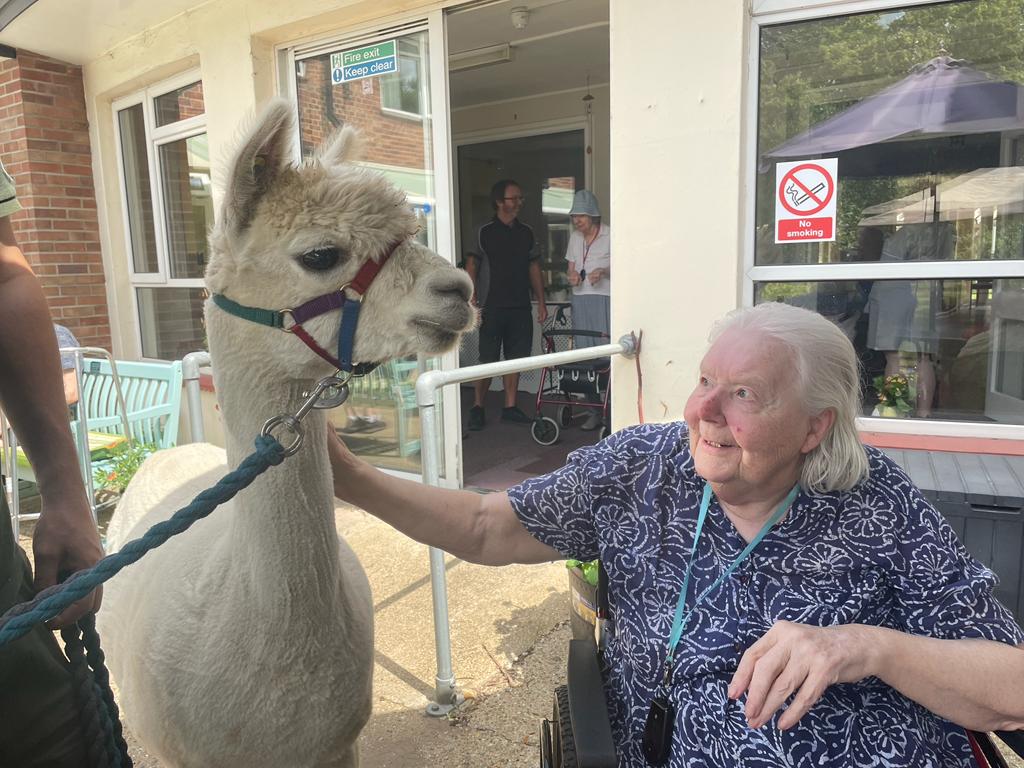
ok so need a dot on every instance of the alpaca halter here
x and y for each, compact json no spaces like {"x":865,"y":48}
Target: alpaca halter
{"x":321,"y":305}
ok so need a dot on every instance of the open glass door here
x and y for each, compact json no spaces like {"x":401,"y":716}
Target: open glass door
{"x":391,"y":85}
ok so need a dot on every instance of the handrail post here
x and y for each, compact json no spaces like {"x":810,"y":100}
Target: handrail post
{"x":190,"y":365}
{"x":427,"y":386}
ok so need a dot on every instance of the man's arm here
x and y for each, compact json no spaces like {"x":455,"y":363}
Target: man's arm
{"x":32,"y":396}
{"x":479,"y":528}
{"x":537,"y":283}
{"x":473,"y":270}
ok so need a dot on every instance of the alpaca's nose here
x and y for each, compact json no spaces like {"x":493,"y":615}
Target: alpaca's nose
{"x":451,"y":283}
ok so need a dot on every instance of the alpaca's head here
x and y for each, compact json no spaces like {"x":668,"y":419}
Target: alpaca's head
{"x":288,"y":233}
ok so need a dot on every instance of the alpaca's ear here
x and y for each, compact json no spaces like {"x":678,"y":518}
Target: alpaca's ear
{"x":344,"y":146}
{"x":264,"y":151}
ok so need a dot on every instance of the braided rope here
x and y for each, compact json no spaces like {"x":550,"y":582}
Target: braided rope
{"x":117,"y":747}
{"x":100,"y":719}
{"x":88,"y":697}
{"x":51,"y":601}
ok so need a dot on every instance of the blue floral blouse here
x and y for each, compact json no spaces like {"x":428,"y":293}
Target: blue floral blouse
{"x":878,"y":554}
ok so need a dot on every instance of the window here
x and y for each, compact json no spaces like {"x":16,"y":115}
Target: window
{"x":403,"y":91}
{"x":923,"y":107}
{"x":168,"y":209}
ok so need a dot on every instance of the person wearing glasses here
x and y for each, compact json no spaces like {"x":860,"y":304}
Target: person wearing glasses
{"x":505,"y":267}
{"x":780,"y":594}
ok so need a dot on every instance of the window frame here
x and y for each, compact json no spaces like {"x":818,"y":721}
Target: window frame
{"x":424,"y":102}
{"x":768,"y":13}
{"x":155,"y":138}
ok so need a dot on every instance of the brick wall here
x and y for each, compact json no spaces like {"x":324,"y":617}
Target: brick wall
{"x":388,"y":139}
{"x":44,"y":143}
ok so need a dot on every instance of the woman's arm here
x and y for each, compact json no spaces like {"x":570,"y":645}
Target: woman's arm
{"x":479,"y":528}
{"x":973,"y":683}
{"x":976,"y":683}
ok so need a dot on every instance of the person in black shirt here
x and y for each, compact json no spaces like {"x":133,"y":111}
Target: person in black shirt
{"x":504,"y":267}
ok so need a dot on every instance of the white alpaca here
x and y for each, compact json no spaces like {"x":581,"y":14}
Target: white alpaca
{"x":248,"y":640}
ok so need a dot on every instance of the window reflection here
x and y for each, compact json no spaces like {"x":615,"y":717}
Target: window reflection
{"x":960,"y":343}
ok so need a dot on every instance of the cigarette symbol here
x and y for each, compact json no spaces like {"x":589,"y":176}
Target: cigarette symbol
{"x":799,"y":197}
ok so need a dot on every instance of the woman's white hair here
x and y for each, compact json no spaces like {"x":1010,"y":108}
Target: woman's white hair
{"x":827,"y":378}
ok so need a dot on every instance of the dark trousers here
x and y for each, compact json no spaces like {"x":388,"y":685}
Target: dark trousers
{"x":39,"y":723}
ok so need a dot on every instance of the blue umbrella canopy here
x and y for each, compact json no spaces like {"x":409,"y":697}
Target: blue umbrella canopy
{"x":940,"y":97}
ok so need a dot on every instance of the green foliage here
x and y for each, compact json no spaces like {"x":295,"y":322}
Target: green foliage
{"x":588,"y":568}
{"x":811,"y":70}
{"x":115,"y":474}
{"x":893,"y":392}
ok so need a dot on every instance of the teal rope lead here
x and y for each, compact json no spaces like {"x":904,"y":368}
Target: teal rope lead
{"x":51,"y":601}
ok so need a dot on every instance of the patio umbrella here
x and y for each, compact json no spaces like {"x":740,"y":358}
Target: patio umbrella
{"x":983,"y":192}
{"x":940,"y":97}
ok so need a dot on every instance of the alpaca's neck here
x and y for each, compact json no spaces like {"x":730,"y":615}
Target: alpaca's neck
{"x":284,"y":521}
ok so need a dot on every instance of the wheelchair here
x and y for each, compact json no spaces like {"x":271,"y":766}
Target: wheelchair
{"x":579,"y":733}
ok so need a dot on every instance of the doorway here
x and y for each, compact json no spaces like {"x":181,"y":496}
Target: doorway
{"x":528,"y":97}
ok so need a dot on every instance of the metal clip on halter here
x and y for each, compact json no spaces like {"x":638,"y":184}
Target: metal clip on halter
{"x":329,"y":392}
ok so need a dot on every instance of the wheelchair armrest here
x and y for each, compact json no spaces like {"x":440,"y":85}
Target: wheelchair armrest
{"x":1013,"y":739}
{"x":588,"y":709}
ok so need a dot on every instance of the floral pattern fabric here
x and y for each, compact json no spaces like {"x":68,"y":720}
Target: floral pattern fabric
{"x":878,"y":554}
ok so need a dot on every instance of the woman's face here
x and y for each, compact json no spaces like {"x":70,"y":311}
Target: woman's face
{"x":582,"y":222}
{"x":749,"y":431}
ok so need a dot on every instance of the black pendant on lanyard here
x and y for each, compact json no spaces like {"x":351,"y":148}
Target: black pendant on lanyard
{"x":658,"y":730}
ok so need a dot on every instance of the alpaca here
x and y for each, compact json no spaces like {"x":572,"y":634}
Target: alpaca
{"x":248,"y":639}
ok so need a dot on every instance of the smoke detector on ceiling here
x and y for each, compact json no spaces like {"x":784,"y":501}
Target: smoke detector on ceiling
{"x":520,"y":16}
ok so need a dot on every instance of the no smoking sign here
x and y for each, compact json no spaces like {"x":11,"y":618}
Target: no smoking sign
{"x":805,"y":201}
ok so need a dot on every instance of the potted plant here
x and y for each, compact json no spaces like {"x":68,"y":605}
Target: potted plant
{"x":112,"y":477}
{"x":582,"y":597}
{"x":893,"y":393}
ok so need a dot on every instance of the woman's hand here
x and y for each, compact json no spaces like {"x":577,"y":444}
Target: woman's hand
{"x":800,"y":661}
{"x":574,"y":276}
{"x":595,"y":276}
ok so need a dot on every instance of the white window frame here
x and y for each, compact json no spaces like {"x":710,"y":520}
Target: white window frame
{"x":766,"y":13}
{"x":155,"y":138}
{"x":424,"y":100}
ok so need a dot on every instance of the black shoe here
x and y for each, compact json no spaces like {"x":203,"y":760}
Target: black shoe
{"x":515,"y":416}
{"x":476,"y":418}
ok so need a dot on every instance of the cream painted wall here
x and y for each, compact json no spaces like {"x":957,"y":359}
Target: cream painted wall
{"x":677,"y":89}
{"x":523,"y":114}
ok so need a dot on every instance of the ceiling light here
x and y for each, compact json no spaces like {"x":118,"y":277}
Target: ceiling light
{"x":479,"y":57}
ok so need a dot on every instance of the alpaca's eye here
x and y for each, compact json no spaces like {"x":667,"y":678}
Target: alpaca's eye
{"x":321,"y":259}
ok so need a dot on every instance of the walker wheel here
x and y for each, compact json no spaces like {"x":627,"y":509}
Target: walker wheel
{"x":605,"y":431}
{"x":544,"y":430}
{"x":565,"y":415}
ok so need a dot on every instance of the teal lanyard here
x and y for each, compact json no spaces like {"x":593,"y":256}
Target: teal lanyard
{"x":682,"y":616}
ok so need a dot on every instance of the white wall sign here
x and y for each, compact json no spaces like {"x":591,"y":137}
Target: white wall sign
{"x":805,"y":201}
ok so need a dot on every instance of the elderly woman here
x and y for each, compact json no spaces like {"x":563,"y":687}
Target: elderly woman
{"x":589,"y":258}
{"x":781,"y":595}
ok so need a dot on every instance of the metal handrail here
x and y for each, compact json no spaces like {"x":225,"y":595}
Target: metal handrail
{"x":427,"y":385}
{"x":190,"y":365}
